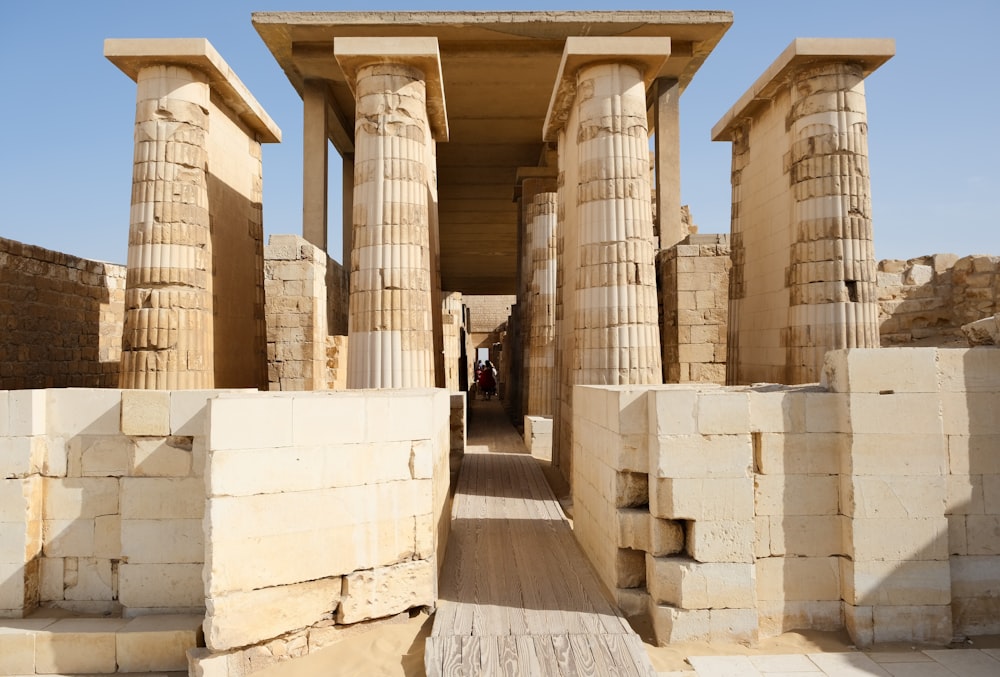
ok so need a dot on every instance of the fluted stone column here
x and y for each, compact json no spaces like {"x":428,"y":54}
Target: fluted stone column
{"x":167,"y":340}
{"x":833,"y":298}
{"x":616,"y":317}
{"x":541,"y":349}
{"x":390,"y":325}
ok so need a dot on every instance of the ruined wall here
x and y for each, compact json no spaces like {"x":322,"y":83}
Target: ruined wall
{"x":127,"y":502}
{"x":693,"y":281}
{"x":62,"y":319}
{"x":305,"y":299}
{"x":926,"y":300}
{"x":864,"y":504}
{"x":486,"y":315}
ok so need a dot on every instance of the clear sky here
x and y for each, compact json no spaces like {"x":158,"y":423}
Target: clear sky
{"x":67,"y":113}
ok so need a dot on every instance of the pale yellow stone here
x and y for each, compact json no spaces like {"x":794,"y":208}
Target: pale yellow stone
{"x":146,"y":413}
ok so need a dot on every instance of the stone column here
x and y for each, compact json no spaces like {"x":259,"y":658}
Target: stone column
{"x":616,"y":316}
{"x":167,"y":339}
{"x":833,"y":299}
{"x":540,"y":373}
{"x":391,"y":335}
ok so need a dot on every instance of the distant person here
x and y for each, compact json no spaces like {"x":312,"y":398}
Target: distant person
{"x":487,"y":380}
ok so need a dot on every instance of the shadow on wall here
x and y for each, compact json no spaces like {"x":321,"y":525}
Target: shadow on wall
{"x":61,"y":319}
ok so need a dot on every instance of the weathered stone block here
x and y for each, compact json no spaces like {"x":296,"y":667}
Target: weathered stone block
{"x":926,"y":624}
{"x":161,"y":585}
{"x":50,"y":578}
{"x":782,"y":411}
{"x":806,"y":535}
{"x":827,"y":412}
{"x":164,"y":541}
{"x":899,"y":413}
{"x":387,"y":590}
{"x":895,"y":454}
{"x":243,"y":618}
{"x":17,"y":649}
{"x":888,"y":583}
{"x":896,"y":539}
{"x":27,"y":415}
{"x":983,"y":532}
{"x":796,"y":495}
{"x":721,"y":540}
{"x":723,"y":412}
{"x":83,"y":411}
{"x":703,"y":456}
{"x":98,"y":456}
{"x":686,"y":584}
{"x":153,"y":643}
{"x":88,"y":579}
{"x":70,"y":498}
{"x":161,"y":457}
{"x":146,"y":413}
{"x":798,"y":579}
{"x":883,"y":370}
{"x":889,"y":496}
{"x":68,"y":537}
{"x":777,"y":617}
{"x":702,"y":498}
{"x":78,"y":646}
{"x":162,"y":498}
{"x":243,"y":422}
{"x":672,"y":410}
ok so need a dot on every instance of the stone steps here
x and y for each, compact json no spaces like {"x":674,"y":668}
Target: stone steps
{"x":69,"y":646}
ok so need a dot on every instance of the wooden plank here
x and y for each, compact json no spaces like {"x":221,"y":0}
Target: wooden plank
{"x":489,"y":660}
{"x":432,"y":657}
{"x":527,"y":658}
{"x":564,"y":656}
{"x":606,"y":663}
{"x":472,"y":655}
{"x":547,"y":661}
{"x":507,"y":651}
{"x":451,"y":662}
{"x":586,"y":664}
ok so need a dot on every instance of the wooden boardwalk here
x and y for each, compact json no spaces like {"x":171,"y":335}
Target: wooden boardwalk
{"x":517,"y":595}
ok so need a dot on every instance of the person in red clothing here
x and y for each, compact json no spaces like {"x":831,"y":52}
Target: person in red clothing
{"x":486,"y":381}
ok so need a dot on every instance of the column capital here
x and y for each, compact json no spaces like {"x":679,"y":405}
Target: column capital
{"x":529,"y":173}
{"x":352,"y":54}
{"x":133,"y":54}
{"x":646,"y":53}
{"x":869,"y":52}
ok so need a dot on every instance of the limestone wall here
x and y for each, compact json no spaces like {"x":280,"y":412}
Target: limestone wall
{"x":926,"y":300}
{"x":694,"y":297}
{"x":305,"y":304}
{"x":865,"y":503}
{"x":310,"y":510}
{"x":62,"y":318}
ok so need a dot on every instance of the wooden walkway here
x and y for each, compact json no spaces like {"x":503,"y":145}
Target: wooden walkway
{"x":517,"y":595}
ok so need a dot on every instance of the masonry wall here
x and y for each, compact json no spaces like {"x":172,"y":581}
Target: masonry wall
{"x":128,"y":503}
{"x":926,"y":300}
{"x":863,"y":504}
{"x":62,"y":319}
{"x":693,"y":281}
{"x":486,"y":315}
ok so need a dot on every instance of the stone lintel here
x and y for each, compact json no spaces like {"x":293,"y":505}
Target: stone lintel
{"x":532,"y":173}
{"x":133,"y":54}
{"x":869,"y":52}
{"x":354,"y":53}
{"x":647,"y":53}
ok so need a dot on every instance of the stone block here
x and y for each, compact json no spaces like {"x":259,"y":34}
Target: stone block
{"x":189,"y":411}
{"x":311,"y":468}
{"x":12,"y":586}
{"x":721,"y":541}
{"x":796,"y":495}
{"x":895,"y":454}
{"x":686,"y":584}
{"x":146,"y":413}
{"x":17,"y":650}
{"x":975,"y":577}
{"x":162,"y":498}
{"x":969,"y":370}
{"x":724,"y":412}
{"x":957,"y":539}
{"x":923,"y":624}
{"x":50,"y":578}
{"x":778,"y":617}
{"x":629,"y":568}
{"x":68,"y":538}
{"x":168,"y":541}
{"x":889,"y":583}
{"x":899,"y":413}
{"x":98,"y":456}
{"x":972,"y":616}
{"x":4,"y":413}
{"x":20,"y":499}
{"x":970,"y":413}
{"x":974,"y":455}
{"x":632,"y":601}
{"x":983,"y":532}
{"x":782,"y":411}
{"x":702,"y":498}
{"x":631,"y":490}
{"x":78,"y":646}
{"x":155,"y":643}
{"x":860,"y":624}
{"x":898,"y":539}
{"x":827,"y":412}
{"x":702,"y":456}
{"x":245,"y":422}
{"x":798,"y":454}
{"x":84,"y":411}
{"x":21,"y":456}
{"x":85,"y":497}
{"x":672,"y":625}
{"x":26,"y":411}
{"x":107,"y":537}
{"x":328,"y":418}
{"x":798,"y":579}
{"x":894,"y":496}
{"x":392,"y":416}
{"x":806,"y":535}
{"x":161,"y":457}
{"x":250,"y":617}
{"x":387,"y":590}
{"x":883,"y":370}
{"x":88,"y":579}
{"x":673,"y":410}
{"x":965,"y":495}
{"x":161,"y":586}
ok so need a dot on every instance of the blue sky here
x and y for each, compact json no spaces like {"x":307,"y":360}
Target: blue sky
{"x":67,"y":113}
